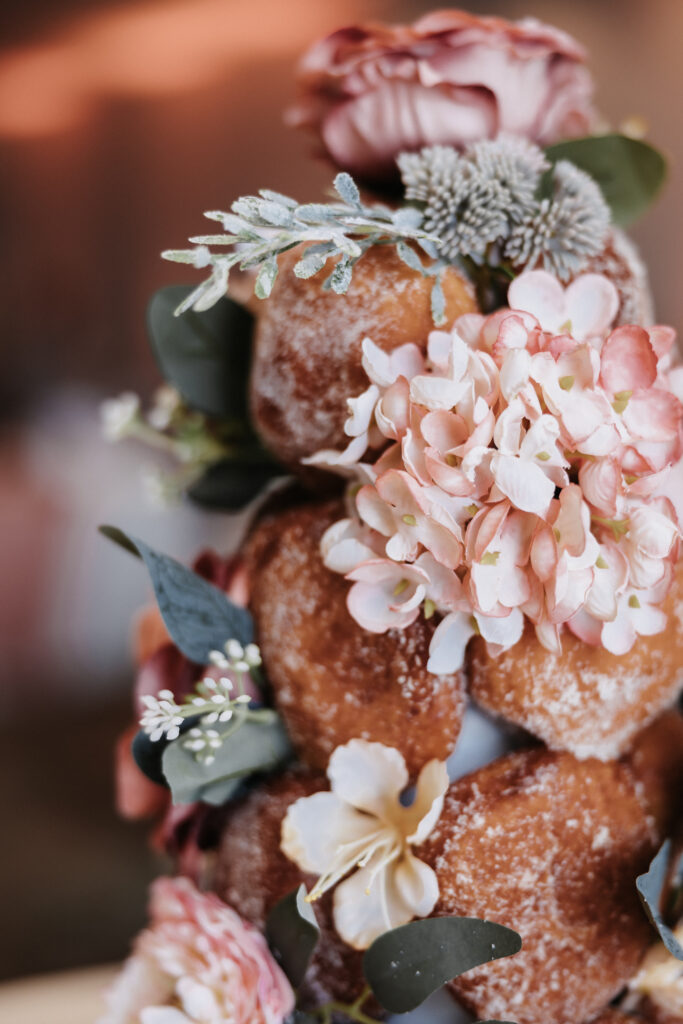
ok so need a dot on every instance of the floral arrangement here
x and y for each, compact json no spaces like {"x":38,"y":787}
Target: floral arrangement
{"x":521,"y":478}
{"x":511,"y":470}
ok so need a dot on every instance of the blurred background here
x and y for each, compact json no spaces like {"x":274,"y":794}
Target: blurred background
{"x":119,"y":124}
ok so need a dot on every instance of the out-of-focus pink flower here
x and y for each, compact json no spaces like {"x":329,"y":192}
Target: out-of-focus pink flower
{"x":371,"y":91}
{"x":198,"y":962}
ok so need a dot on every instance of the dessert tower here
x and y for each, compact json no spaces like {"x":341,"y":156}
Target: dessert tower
{"x":421,"y":728}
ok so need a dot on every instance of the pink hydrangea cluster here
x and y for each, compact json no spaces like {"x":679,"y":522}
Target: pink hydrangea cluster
{"x":198,"y":963}
{"x":522,"y":474}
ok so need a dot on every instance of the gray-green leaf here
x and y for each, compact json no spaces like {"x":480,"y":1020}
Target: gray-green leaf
{"x":256,"y":745}
{"x":438,"y":303}
{"x":198,"y":616}
{"x":404,"y":966}
{"x":651,"y":888}
{"x":409,"y":257}
{"x":266,"y":278}
{"x":346,"y":187}
{"x":340,"y":279}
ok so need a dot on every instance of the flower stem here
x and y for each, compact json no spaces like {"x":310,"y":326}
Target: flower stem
{"x":352,"y":1011}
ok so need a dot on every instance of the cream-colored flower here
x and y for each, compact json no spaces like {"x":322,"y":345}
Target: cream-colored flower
{"x":362,"y":830}
{"x":661,"y":977}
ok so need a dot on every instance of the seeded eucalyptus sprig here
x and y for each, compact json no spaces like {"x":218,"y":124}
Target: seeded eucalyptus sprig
{"x":261,"y":228}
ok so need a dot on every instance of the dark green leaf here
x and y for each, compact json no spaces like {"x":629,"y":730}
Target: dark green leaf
{"x":404,"y":966}
{"x":257,"y":745}
{"x":629,"y":172}
{"x":292,"y":932}
{"x":231,"y":485}
{"x":148,"y":753}
{"x":206,"y":356}
{"x":198,"y":616}
{"x":651,"y":887}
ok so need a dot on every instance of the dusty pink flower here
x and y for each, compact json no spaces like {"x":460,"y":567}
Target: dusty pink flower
{"x":198,"y":962}
{"x":372,"y":91}
{"x":524,"y":475}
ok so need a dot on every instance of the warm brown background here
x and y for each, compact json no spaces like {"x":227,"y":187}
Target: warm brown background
{"x":119,"y":124}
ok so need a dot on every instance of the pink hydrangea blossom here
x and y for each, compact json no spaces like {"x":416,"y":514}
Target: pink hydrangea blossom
{"x":522,"y":473}
{"x":370,"y":92}
{"x":198,"y":962}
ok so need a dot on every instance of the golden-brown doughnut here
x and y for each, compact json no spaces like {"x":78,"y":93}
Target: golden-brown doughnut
{"x":551,"y":847}
{"x":585,"y":699}
{"x":307,"y":346}
{"x":656,"y":761}
{"x":252,"y":875}
{"x":331,"y":679}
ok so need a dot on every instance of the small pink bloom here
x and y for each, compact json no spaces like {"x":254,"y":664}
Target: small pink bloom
{"x":398,"y":508}
{"x":385,"y":594}
{"x":198,"y":962}
{"x":627,"y":360}
{"x":585,"y":309}
{"x":371,"y":91}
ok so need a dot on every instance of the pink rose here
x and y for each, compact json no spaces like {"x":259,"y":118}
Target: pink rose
{"x":372,"y":91}
{"x":197,"y":963}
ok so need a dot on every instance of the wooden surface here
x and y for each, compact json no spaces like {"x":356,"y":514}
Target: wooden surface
{"x":71,"y":997}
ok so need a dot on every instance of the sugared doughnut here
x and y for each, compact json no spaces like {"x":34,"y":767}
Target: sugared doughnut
{"x":656,"y":760}
{"x":307,"y":347}
{"x":585,"y":699}
{"x":620,"y":261}
{"x":551,"y":847}
{"x":331,"y":679}
{"x":252,"y":875}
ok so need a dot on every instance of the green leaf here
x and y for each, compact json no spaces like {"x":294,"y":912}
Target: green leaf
{"x":147,"y":753}
{"x":347,"y":189}
{"x":651,"y":887}
{"x":629,"y":171}
{"x":256,"y":745}
{"x":404,"y":966}
{"x":231,"y":485}
{"x":198,"y":616}
{"x":292,"y":932}
{"x":206,"y":356}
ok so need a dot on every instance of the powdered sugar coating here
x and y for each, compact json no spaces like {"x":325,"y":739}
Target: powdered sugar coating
{"x":551,"y":847}
{"x":307,"y":349}
{"x":332,"y":680}
{"x":585,"y":699}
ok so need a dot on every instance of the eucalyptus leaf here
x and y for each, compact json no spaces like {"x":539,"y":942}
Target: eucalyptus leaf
{"x":255,"y":745}
{"x":199,"y":617}
{"x":651,"y":889}
{"x":205,"y":355}
{"x":230,"y":484}
{"x":292,"y":932}
{"x":629,"y":171}
{"x":404,"y":966}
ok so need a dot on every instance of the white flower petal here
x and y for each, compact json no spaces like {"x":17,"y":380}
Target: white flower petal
{"x":360,"y":411}
{"x":417,"y":885}
{"x":425,"y":810}
{"x":436,"y":392}
{"x":316,"y":826}
{"x":163,"y":1015}
{"x":524,"y":483}
{"x":368,"y":776}
{"x":447,"y":648}
{"x":502,"y":632}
